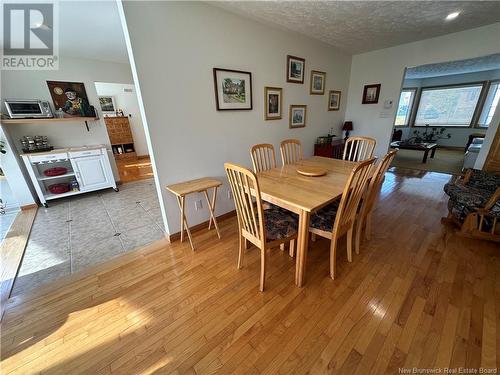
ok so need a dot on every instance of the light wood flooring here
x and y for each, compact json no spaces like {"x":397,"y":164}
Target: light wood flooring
{"x":134,"y":169}
{"x":416,"y":296}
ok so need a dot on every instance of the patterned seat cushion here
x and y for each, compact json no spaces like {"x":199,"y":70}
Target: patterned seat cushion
{"x":323,"y":219}
{"x":467,"y":195}
{"x":280,"y":223}
{"x":483,"y":180}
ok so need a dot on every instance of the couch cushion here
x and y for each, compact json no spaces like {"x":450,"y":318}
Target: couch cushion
{"x":280,"y":223}
{"x":484,"y":180}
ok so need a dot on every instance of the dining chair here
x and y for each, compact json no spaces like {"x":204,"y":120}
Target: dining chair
{"x":263,"y":157}
{"x":291,"y":151}
{"x":358,"y":148}
{"x":337,"y":219}
{"x":265,"y":229}
{"x":372,"y":192}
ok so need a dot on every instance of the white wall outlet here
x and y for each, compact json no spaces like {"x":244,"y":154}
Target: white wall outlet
{"x":229,"y":194}
{"x":198,"y":205}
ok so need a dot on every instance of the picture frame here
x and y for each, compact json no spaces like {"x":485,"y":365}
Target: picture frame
{"x":371,"y":94}
{"x":233,"y":89}
{"x":317,"y":84}
{"x":273,"y":103}
{"x":71,"y":97}
{"x":107,"y":104}
{"x":295,"y":69}
{"x":334,"y":100}
{"x":298,"y":115}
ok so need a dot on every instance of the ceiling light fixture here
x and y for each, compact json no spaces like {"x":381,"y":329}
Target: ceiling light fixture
{"x":452,"y":16}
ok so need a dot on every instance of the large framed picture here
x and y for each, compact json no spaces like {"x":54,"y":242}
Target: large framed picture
{"x":334,"y":100}
{"x":71,"y":97}
{"x":107,"y":104}
{"x":233,"y":89}
{"x":273,"y":103}
{"x":295,"y":68}
{"x":371,"y":94}
{"x":298,"y":116}
{"x":317,"y":83}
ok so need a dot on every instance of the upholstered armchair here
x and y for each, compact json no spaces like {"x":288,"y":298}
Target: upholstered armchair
{"x":474,"y":204}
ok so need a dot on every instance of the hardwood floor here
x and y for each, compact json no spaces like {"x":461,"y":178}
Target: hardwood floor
{"x":416,"y":296}
{"x":134,"y":170}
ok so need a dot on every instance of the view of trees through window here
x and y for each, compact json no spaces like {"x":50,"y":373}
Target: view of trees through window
{"x":404,"y":107}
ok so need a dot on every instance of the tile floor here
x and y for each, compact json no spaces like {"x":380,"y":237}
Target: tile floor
{"x":75,"y":233}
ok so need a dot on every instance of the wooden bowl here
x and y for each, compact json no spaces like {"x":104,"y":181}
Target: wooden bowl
{"x":311,"y":171}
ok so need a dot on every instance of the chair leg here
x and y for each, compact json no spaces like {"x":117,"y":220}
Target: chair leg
{"x":292,"y":248}
{"x":349,"y":244}
{"x":333,"y":256}
{"x":368,"y":226}
{"x":313,"y":237}
{"x":282,"y":246}
{"x":262,"y":269}
{"x":247,"y":244}
{"x":241,"y":251}
{"x":359,"y":229}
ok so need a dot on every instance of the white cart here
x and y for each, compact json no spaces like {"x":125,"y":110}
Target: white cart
{"x":89,"y":165}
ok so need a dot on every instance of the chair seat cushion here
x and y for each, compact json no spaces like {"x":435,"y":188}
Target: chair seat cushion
{"x":323,"y":219}
{"x":280,"y":223}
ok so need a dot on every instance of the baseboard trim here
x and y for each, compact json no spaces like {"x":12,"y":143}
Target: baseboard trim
{"x":204,"y":225}
{"x":29,"y":206}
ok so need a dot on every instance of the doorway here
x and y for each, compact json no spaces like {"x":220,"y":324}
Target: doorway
{"x":120,"y":109}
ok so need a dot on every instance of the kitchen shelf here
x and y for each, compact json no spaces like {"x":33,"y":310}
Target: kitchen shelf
{"x":50,"y":196}
{"x":46,"y":120}
{"x":45,"y":178}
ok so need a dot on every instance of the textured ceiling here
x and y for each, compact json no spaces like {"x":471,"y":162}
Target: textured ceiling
{"x":478,"y":64}
{"x":360,"y":26}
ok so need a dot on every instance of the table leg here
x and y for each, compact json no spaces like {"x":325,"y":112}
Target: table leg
{"x":302,"y":243}
{"x":184,"y":222}
{"x":424,"y":160}
{"x":433,"y":152}
{"x":211,"y":209}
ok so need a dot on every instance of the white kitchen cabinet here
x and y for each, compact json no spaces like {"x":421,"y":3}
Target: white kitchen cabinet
{"x":90,"y":166}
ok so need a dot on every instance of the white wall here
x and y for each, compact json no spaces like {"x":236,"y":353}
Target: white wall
{"x":175,"y":51}
{"x":387,"y":66}
{"x":460,"y":135}
{"x":31,"y":84}
{"x":127,"y":101}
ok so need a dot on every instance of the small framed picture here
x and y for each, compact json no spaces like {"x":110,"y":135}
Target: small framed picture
{"x":295,"y":68}
{"x":317,"y":83}
{"x":371,"y":94}
{"x":273,"y":102}
{"x":334,"y":100}
{"x":107,"y":104}
{"x":298,"y":116}
{"x":233,"y":89}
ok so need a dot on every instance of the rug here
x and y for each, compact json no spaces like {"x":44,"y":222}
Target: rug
{"x":445,"y":161}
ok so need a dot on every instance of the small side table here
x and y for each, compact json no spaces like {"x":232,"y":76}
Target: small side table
{"x":181,"y":189}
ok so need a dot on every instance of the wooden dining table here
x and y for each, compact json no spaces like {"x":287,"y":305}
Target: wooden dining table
{"x":286,"y":188}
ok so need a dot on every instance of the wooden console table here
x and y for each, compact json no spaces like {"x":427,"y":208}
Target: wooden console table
{"x":200,"y":185}
{"x":334,"y":150}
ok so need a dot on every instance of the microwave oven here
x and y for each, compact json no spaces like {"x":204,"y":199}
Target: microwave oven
{"x":28,"y":108}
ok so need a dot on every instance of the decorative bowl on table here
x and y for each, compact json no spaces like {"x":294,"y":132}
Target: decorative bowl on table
{"x":311,"y":171}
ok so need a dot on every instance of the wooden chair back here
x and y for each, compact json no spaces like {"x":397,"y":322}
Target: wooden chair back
{"x":376,"y":182}
{"x":351,"y":196}
{"x":359,"y":148}
{"x":263,"y":157}
{"x":291,"y":151}
{"x":246,"y":190}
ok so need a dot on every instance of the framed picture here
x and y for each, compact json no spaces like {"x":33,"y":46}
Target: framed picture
{"x":273,"y":103}
{"x":295,"y":68}
{"x":298,"y":116}
{"x":334,"y":100}
{"x":107,"y":104}
{"x":317,"y":83}
{"x":71,"y":97}
{"x":233,"y":89}
{"x":371,"y":94}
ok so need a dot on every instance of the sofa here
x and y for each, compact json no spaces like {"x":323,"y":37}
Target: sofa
{"x":474,"y":204}
{"x":472,"y":153}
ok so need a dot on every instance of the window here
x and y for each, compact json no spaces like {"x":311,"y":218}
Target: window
{"x":404,"y":107}
{"x":490,"y":104}
{"x":448,"y":106}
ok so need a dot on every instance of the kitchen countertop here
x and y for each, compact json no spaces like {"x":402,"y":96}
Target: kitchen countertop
{"x":66,"y":149}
